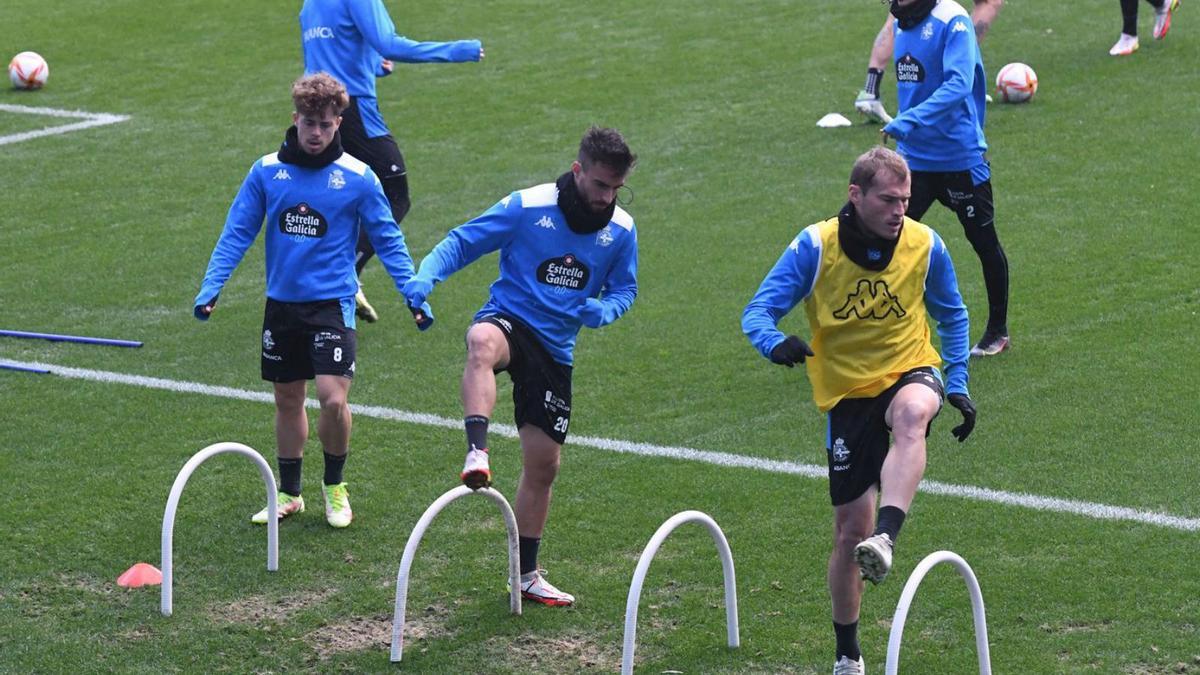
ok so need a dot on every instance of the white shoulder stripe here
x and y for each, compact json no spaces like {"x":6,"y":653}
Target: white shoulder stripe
{"x":948,"y":9}
{"x":350,"y":162}
{"x":622,"y":218}
{"x":271,"y":159}
{"x":542,"y":195}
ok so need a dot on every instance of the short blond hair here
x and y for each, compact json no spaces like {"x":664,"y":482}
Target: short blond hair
{"x":314,"y":94}
{"x":871,"y":162}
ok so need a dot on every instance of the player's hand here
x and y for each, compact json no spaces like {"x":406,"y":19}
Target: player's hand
{"x":883,"y":137}
{"x":591,"y":313}
{"x":967,"y":407}
{"x":386,"y":66}
{"x":416,"y":291}
{"x":203,"y":311}
{"x":791,"y":351}
{"x":423,"y":315}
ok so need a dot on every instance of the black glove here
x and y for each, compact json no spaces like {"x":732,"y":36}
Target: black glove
{"x":790,"y":352}
{"x":967,"y":407}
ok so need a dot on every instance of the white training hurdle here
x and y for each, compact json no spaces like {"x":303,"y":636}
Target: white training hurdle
{"x":639,"y":577}
{"x":414,"y":540}
{"x":168,"y":525}
{"x":910,"y":590}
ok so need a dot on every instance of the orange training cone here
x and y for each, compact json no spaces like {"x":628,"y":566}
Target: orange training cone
{"x":141,"y":574}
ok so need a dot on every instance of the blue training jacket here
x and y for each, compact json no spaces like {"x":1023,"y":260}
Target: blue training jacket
{"x":349,"y":38}
{"x":547,"y":271}
{"x":941,"y":87}
{"x":313,"y":217}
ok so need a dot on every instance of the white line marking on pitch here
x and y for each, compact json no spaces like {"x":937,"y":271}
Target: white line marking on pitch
{"x":1035,"y":502}
{"x":89,"y":120}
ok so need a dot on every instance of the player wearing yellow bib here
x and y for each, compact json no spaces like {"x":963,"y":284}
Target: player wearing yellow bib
{"x":868,"y":277}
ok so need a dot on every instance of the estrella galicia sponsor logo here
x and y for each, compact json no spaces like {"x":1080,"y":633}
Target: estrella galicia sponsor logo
{"x":566,"y":272}
{"x":268,"y":341}
{"x":840,"y":453}
{"x":337,"y":180}
{"x":318,"y":33}
{"x":909,"y":69}
{"x":870,"y":301}
{"x":303,"y":220}
{"x":604,"y":237}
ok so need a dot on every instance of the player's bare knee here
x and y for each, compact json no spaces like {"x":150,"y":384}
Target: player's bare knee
{"x":912,"y":416}
{"x":540,"y":473}
{"x":847,"y":534}
{"x":289,"y":399}
{"x":485,"y":345}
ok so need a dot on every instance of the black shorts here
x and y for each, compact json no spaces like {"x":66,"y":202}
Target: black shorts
{"x":380,"y":153}
{"x":541,"y":385}
{"x":956,"y":191}
{"x":857,"y":437}
{"x":301,"y":340}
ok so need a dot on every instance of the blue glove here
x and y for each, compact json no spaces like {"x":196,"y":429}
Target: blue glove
{"x":416,"y":291}
{"x":591,"y":313}
{"x":423,"y":315}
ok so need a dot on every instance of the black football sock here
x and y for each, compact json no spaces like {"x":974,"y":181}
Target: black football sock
{"x":874,"y":75}
{"x":289,"y":474}
{"x":529,"y":552}
{"x":1129,"y":12}
{"x":847,"y":640}
{"x":477,"y":426}
{"x":333,"y":468}
{"x":891,"y":519}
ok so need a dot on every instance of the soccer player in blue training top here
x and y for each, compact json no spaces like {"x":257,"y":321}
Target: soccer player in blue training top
{"x":568,"y":258}
{"x":356,"y":42}
{"x":315,"y":199}
{"x":868,"y":103}
{"x":939,"y":130}
{"x":1128,"y":42}
{"x":867,"y":278}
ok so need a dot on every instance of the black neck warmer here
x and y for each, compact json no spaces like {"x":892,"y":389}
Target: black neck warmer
{"x":290,"y":151}
{"x":580,"y":218}
{"x":865,"y":249}
{"x":913,"y":14}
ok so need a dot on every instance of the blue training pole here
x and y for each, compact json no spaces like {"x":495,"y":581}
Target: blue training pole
{"x":70,"y":338}
{"x":24,"y":369}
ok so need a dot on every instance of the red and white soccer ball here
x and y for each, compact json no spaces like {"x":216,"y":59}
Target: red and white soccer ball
{"x":28,"y":70}
{"x":1016,"y":83}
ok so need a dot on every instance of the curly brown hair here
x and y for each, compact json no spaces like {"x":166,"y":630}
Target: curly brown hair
{"x":314,"y":94}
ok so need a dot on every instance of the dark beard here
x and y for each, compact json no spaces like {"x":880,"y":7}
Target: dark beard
{"x":579,"y":214}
